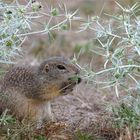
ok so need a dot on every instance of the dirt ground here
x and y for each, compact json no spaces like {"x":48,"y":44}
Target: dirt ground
{"x":80,"y":110}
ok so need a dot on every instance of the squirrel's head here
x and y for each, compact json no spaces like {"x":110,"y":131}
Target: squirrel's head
{"x":61,"y":71}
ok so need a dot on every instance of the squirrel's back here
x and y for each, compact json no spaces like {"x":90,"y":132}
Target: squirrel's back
{"x":18,"y":76}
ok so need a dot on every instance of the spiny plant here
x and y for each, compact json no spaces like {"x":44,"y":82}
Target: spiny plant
{"x":18,"y":21}
{"x":119,"y":46}
{"x":116,"y":41}
{"x":15,"y":22}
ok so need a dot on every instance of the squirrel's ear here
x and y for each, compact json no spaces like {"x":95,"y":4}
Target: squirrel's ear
{"x":46,"y":68}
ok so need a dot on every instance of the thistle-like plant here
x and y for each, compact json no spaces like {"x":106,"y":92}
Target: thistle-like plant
{"x":19,"y":21}
{"x":119,"y":45}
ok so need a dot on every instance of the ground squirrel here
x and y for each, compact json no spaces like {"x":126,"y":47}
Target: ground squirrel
{"x":28,"y":90}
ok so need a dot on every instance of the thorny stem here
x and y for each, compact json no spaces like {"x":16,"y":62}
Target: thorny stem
{"x":120,"y":67}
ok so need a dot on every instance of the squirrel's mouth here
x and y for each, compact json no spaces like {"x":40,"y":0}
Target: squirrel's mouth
{"x":69,"y":85}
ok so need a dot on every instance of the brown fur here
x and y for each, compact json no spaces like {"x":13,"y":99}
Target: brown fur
{"x":27,"y":90}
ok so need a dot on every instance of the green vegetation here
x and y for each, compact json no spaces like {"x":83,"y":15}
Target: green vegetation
{"x":19,"y":21}
{"x":118,"y":45}
{"x":125,"y":116}
{"x":82,"y":136}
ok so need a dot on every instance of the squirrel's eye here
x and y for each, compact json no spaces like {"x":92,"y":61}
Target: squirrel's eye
{"x":61,"y":67}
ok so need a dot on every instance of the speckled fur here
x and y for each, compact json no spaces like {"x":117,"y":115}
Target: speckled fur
{"x":27,"y":91}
